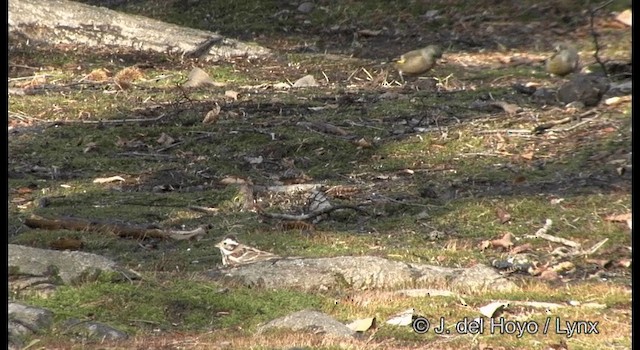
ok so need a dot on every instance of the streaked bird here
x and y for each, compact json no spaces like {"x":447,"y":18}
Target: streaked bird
{"x":564,"y":60}
{"x":236,"y":254}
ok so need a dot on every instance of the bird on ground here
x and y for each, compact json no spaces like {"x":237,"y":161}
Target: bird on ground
{"x":236,"y":254}
{"x":564,"y":60}
{"x":418,"y":62}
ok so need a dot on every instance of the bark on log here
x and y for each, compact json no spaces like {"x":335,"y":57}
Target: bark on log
{"x":75,"y":224}
{"x":66,"y":22}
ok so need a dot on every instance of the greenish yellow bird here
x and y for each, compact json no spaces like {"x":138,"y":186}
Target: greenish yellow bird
{"x":564,"y":60}
{"x":418,"y":62}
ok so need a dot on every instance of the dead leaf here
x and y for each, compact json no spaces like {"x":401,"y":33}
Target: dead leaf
{"x":231,"y":94}
{"x":363,"y":143}
{"x":624,"y":17}
{"x":527,"y":156}
{"x":89,"y":147}
{"x":617,"y":100}
{"x":504,"y":242}
{"x":503,"y":215}
{"x":624,"y":263}
{"x":23,"y":190}
{"x":306,"y":81}
{"x":98,"y":75}
{"x":618,"y":217}
{"x":212,"y":115}
{"x":549,"y":275}
{"x":403,"y":318}
{"x":604,"y":263}
{"x":362,"y":325}
{"x":102,"y":180}
{"x":126,"y":76}
{"x":66,"y":243}
{"x":165,"y":140}
{"x":484,"y":245}
{"x":493,"y":309}
{"x":521,"y":248}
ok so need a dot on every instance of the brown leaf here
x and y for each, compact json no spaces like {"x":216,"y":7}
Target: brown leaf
{"x":66,"y":243}
{"x":503,"y":215}
{"x":520,"y":249}
{"x":127,"y":76}
{"x":363,"y":143}
{"x":527,"y":156}
{"x":618,"y":217}
{"x":484,"y":245}
{"x":604,"y":263}
{"x":624,"y":263}
{"x":549,"y":275}
{"x":231,"y":94}
{"x":504,"y":242}
{"x":98,"y":75}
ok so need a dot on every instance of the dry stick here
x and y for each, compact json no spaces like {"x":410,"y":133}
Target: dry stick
{"x":109,"y":121}
{"x":594,"y":34}
{"x":541,"y":128}
{"x":311,"y":215}
{"x":542,"y":233}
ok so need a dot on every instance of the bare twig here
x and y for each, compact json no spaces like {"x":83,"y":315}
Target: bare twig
{"x":594,"y":34}
{"x":303,"y":217}
{"x":108,"y":121}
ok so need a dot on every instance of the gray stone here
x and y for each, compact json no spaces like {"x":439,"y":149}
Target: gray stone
{"x":70,"y":266}
{"x":306,"y":7}
{"x":25,"y":320}
{"x":357,"y":272}
{"x":587,"y":89}
{"x":312,"y":321}
{"x":306,"y":81}
{"x":93,"y":331}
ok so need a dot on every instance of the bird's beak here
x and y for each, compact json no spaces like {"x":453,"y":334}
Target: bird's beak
{"x":218,"y":245}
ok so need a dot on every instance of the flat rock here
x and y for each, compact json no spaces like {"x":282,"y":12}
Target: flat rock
{"x":587,"y":89}
{"x":359,"y":272}
{"x":25,"y":320}
{"x":93,"y":331}
{"x":312,"y":321}
{"x":69,"y":266}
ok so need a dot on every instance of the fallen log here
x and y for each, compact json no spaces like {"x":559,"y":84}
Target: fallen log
{"x":120,"y":230}
{"x":67,"y":22}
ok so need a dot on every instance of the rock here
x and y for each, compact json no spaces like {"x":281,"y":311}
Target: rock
{"x":306,"y":7}
{"x":25,"y":320}
{"x":93,"y":331}
{"x":587,"y":89}
{"x":544,"y":96}
{"x":306,"y":81}
{"x":356,"y":272}
{"x":309,"y":320}
{"x":69,"y":266}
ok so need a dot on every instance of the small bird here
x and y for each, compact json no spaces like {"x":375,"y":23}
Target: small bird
{"x":563,"y":61}
{"x":417,"y":62}
{"x":236,"y":254}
